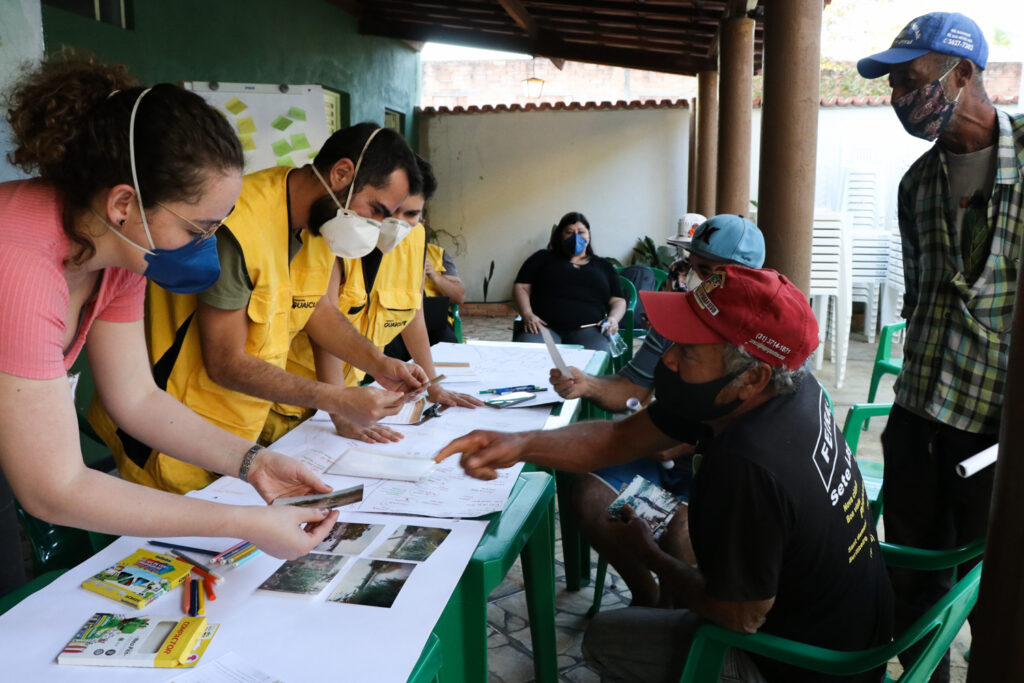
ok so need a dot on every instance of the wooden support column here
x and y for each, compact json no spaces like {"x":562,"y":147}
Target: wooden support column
{"x":707,"y":141}
{"x":789,"y":135}
{"x":736,"y":95}
{"x":691,"y":162}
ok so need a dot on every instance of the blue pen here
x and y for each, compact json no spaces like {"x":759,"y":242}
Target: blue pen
{"x":505,"y":390}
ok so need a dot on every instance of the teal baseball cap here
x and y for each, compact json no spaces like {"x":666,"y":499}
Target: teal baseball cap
{"x":728,"y":238}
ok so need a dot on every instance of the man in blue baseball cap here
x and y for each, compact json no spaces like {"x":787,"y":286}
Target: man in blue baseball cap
{"x":960,"y":218}
{"x":726,"y":239}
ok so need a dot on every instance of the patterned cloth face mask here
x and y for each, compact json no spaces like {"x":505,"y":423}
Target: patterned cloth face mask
{"x":926,"y":112}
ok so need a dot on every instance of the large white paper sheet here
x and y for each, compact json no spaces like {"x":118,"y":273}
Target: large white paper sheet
{"x":445,"y":492}
{"x":300,"y":638}
{"x":510,"y":365}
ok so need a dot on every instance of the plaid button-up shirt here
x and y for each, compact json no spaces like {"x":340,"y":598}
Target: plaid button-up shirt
{"x":958,"y":333}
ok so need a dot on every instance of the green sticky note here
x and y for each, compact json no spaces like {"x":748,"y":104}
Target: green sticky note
{"x":235,"y":106}
{"x":281,"y":147}
{"x":281,"y":122}
{"x":285,"y":161}
{"x":297,"y":113}
{"x":248,"y":144}
{"x":299,"y":141}
{"x":246,"y":125}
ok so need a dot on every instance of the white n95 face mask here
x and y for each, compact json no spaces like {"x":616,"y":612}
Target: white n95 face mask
{"x":692,"y":280}
{"x":392,"y":232}
{"x":349,"y":235}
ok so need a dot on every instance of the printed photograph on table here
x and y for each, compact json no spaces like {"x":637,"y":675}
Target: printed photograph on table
{"x":410,"y":542}
{"x":650,"y":502}
{"x":349,"y":538}
{"x":375,"y":583}
{"x":307,"y":575}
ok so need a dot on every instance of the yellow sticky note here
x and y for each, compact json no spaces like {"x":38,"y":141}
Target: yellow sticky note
{"x":247,"y":142}
{"x":235,"y":106}
{"x":285,"y":161}
{"x":246,"y":125}
{"x":299,"y":141}
{"x":297,"y":113}
{"x":280,"y":147}
{"x":281,"y":122}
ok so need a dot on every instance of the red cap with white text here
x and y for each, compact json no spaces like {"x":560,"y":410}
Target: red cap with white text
{"x":758,"y":310}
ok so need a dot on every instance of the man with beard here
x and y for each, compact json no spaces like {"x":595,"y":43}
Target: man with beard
{"x":223,"y":353}
{"x":781,"y":539}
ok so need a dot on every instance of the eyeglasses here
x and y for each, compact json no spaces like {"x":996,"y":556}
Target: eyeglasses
{"x":200,"y":231}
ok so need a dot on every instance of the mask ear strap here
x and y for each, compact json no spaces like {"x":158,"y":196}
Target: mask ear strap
{"x":326,"y":186}
{"x":359,"y":161}
{"x":135,"y":174}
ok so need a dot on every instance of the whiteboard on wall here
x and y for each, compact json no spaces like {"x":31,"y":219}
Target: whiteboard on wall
{"x":279,"y":125}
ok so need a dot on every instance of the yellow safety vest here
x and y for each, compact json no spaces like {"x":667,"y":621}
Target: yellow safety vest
{"x":379,"y":316}
{"x":283,"y":298}
{"x":435,"y":255}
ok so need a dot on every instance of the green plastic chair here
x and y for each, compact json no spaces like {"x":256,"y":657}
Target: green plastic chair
{"x":885,"y":364}
{"x":523,"y":529}
{"x":935,"y":630}
{"x":61,"y":547}
{"x":457,"y":323}
{"x":429,"y":663}
{"x":871,"y":472}
{"x":660,"y":278}
{"x":18,"y":594}
{"x":627,"y":326}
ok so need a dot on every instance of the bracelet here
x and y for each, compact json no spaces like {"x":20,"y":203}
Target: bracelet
{"x":247,"y":460}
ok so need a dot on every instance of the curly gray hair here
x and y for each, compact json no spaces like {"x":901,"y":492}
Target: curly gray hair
{"x":783,"y":380}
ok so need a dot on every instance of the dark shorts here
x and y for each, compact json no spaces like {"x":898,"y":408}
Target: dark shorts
{"x":676,"y":480}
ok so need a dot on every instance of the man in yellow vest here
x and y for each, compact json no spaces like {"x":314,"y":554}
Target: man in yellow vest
{"x":381,"y":295}
{"x":223,"y":353}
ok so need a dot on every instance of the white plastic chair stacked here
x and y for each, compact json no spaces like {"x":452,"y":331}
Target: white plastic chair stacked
{"x":831,"y":288}
{"x":862,"y":206}
{"x":892,"y":293}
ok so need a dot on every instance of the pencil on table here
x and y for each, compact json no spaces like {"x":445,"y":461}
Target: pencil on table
{"x":219,"y":559}
{"x":198,"y":567}
{"x":201,"y":593}
{"x":235,"y":552}
{"x":234,"y":559}
{"x":186,"y":594}
{"x":194,"y":599}
{"x":242,"y":560}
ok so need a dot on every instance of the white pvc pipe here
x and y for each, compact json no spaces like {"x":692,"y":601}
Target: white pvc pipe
{"x":978,"y":461}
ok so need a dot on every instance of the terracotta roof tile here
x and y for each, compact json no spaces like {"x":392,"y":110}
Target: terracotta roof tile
{"x":559,"y":106}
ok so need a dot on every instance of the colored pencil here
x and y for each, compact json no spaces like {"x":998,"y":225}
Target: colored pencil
{"x":218,"y":559}
{"x":198,"y":568}
{"x":243,"y":548}
{"x":189,"y":548}
{"x":210,"y":595}
{"x":201,"y":598}
{"x":194,"y":607}
{"x":248,"y":557}
{"x":186,"y":595}
{"x":245,"y":553}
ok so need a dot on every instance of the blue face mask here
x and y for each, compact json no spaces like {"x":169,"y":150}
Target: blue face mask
{"x":574,"y":244}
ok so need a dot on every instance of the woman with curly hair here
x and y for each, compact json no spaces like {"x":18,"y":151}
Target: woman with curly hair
{"x":131,"y":184}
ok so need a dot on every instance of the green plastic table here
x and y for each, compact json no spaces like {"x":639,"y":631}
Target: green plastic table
{"x":522,"y":529}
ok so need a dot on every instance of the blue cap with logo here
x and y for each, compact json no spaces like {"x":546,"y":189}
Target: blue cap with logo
{"x":949,"y":33}
{"x":728,"y":238}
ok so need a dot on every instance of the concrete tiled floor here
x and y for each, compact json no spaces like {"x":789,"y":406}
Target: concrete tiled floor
{"x":509,"y":639}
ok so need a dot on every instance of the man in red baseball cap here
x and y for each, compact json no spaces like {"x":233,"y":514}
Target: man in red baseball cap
{"x":780,"y":536}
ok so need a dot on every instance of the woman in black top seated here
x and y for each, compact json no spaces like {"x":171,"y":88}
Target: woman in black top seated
{"x":569,"y":290}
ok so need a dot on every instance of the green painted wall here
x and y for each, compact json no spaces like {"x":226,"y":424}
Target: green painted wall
{"x":253,"y":41}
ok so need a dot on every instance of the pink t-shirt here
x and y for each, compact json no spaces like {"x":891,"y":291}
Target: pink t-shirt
{"x":34,"y":296}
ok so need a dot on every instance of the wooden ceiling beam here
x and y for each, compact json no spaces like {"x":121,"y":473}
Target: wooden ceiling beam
{"x":674,"y":62}
{"x":521,"y":16}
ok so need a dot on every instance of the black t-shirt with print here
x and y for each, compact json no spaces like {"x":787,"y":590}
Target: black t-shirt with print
{"x":778,"y":510}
